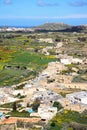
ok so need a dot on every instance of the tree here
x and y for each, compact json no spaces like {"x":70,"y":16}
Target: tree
{"x":58,"y":105}
{"x":36,"y":104}
{"x":28,"y":105}
{"x":14,"y":106}
{"x":53,"y":124}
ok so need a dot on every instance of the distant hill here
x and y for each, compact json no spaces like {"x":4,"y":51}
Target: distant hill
{"x":60,"y":27}
{"x":53,"y":26}
{"x":47,"y":27}
{"x":80,"y":28}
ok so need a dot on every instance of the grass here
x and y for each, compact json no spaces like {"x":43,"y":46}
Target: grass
{"x":30,"y":60}
{"x":55,"y":127}
{"x":26,"y":58}
{"x":7,"y":105}
{"x":63,"y":120}
{"x":70,"y":116}
{"x":20,"y":50}
{"x":79,"y":79}
{"x":19,"y":114}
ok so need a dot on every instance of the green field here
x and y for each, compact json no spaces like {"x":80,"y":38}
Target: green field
{"x":22,"y":58}
{"x":18,"y":62}
{"x":67,"y":117}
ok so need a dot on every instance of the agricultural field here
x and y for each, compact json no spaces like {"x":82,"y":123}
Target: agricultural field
{"x":24,"y":55}
{"x":19,"y":59}
{"x":68,"y":120}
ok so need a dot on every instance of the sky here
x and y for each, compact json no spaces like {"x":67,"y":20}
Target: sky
{"x":36,"y":12}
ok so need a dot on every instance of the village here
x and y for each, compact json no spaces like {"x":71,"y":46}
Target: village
{"x":33,"y":92}
{"x":47,"y":88}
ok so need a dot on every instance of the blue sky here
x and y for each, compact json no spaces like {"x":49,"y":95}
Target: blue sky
{"x":35,"y":12}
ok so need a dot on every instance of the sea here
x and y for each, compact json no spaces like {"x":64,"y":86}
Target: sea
{"x":29,"y":23}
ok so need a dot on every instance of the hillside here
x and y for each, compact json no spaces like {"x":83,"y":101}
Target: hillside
{"x":80,"y":28}
{"x":24,"y":54}
{"x":60,"y":27}
{"x":53,"y":26}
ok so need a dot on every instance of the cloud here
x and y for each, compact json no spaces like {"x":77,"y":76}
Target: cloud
{"x":42,"y":3}
{"x":78,"y":3}
{"x":7,"y":2}
{"x":72,"y":16}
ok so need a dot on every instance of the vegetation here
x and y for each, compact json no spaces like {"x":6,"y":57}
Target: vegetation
{"x":61,"y":27}
{"x":63,"y":94}
{"x":14,"y":112}
{"x":79,"y":79}
{"x":53,"y":26}
{"x":14,"y":106}
{"x":69,"y":116}
{"x":18,"y":60}
{"x":50,"y":80}
{"x":54,"y":126}
{"x":11,"y":104}
{"x":21,"y":56}
{"x":7,"y":105}
{"x":58,"y":105}
{"x":28,"y":125}
{"x":19,"y":87}
{"x":36,"y":104}
{"x":19,"y":114}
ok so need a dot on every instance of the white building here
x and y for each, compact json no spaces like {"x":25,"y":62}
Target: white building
{"x":78,"y":97}
{"x":65,"y":61}
{"x":70,"y":60}
{"x":15,"y":92}
{"x":45,"y":112}
{"x":28,"y":86}
{"x":77,"y":60}
{"x":49,"y":40}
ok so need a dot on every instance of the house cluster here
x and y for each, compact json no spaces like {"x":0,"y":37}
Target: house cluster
{"x":31,"y":92}
{"x":54,"y":68}
{"x":6,"y":95}
{"x":53,"y":74}
{"x":76,"y":101}
{"x":52,"y":77}
{"x":39,"y":88}
{"x":48,"y":40}
{"x":47,"y":50}
{"x":78,"y":97}
{"x":55,"y":47}
{"x":65,"y":59}
{"x":45,"y":112}
{"x":47,"y":97}
{"x":14,"y":29}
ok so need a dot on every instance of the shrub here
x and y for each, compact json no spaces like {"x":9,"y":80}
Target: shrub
{"x":14,"y":106}
{"x":58,"y":105}
{"x":53,"y":124}
{"x":36,"y":104}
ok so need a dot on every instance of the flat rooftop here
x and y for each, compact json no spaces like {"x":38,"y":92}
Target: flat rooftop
{"x":82,"y":94}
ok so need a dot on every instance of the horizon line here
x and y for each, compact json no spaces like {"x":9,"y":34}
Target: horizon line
{"x":77,"y":16}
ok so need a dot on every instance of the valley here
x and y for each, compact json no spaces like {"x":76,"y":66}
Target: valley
{"x":43,"y":75}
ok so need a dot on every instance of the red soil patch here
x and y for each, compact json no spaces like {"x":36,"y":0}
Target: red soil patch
{"x":12,"y":120}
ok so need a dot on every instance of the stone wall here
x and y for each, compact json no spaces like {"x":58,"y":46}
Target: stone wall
{"x":7,"y":127}
{"x":81,"y":86}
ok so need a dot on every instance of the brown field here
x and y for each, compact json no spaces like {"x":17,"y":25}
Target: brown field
{"x":12,"y":120}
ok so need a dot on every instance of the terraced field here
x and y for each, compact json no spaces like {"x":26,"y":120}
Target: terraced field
{"x":18,"y":62}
